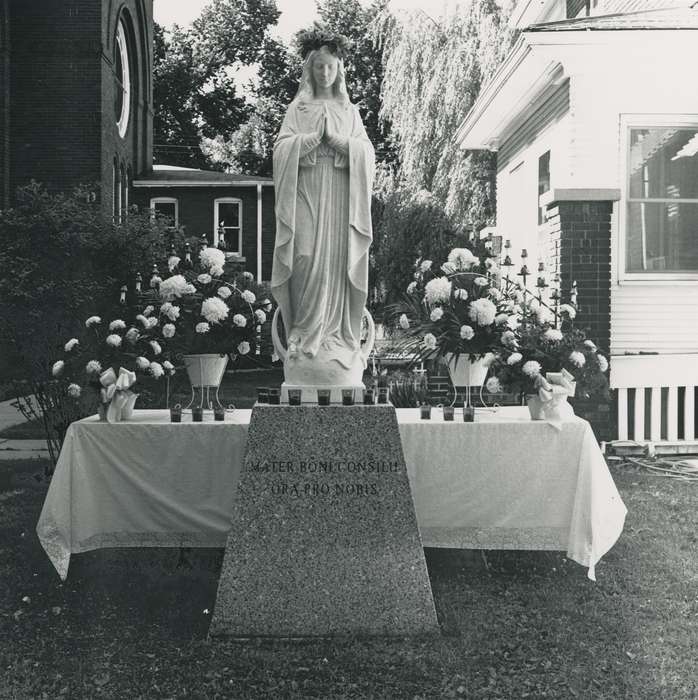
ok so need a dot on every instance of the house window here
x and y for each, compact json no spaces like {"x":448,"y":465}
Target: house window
{"x":166,"y":206}
{"x":122,"y":80}
{"x":227,"y":232}
{"x":661,"y":215}
{"x":543,"y":183}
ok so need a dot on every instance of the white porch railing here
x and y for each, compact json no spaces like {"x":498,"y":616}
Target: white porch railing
{"x":656,"y":398}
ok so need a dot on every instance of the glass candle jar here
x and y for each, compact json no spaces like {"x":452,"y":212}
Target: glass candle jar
{"x":468,"y":414}
{"x":369,"y":397}
{"x":294,"y":397}
{"x":347,"y":397}
{"x":219,"y":413}
{"x":274,"y":397}
{"x":323,"y":397}
{"x":197,"y":414}
{"x":383,"y":394}
{"x":448,"y":412}
{"x":176,"y":414}
{"x":425,"y":411}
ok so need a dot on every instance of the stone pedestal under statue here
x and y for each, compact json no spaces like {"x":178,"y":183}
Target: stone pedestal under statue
{"x":324,"y":537}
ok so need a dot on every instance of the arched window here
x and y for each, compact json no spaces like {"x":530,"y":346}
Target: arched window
{"x":122,"y":80}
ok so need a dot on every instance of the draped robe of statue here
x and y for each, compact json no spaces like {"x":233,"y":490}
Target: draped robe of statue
{"x":323,"y":233}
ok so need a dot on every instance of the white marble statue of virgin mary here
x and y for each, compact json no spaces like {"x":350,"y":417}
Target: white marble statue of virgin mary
{"x":323,"y":177}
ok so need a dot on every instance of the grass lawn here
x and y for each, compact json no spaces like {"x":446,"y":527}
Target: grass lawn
{"x":133,"y":623}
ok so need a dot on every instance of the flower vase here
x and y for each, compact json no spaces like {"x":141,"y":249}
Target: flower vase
{"x":535,"y":407}
{"x":205,"y":373}
{"x":467,"y":373}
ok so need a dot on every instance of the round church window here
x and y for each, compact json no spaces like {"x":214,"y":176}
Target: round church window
{"x":122,"y":86}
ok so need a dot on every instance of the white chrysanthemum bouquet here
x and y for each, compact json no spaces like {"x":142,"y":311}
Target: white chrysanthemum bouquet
{"x":201,"y":309}
{"x":457,"y":308}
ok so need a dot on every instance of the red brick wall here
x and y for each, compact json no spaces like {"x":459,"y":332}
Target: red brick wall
{"x":63,"y":130}
{"x":580,"y":250}
{"x":196,"y":214}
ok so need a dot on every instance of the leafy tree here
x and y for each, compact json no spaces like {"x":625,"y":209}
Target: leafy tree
{"x":195,"y":71}
{"x":433,"y":70}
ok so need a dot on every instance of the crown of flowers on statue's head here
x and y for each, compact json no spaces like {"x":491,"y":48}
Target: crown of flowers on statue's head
{"x":307,"y":40}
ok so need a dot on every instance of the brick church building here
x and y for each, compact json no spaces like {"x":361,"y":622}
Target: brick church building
{"x":76,"y":107}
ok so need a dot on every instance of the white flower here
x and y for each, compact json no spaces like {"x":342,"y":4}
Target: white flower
{"x":508,"y":339}
{"x":244,"y":347}
{"x":212,"y":257}
{"x":448,"y":268}
{"x":544,"y":315}
{"x":461,"y":294}
{"x":495,"y":294}
{"x":491,"y":264}
{"x":168,"y":366}
{"x":142,"y":319}
{"x":248,"y":296}
{"x":175,"y":286}
{"x":156,"y":370}
{"x":190,"y":288}
{"x":462,"y":258}
{"x":155,"y":280}
{"x":74,"y":390}
{"x":513,"y":322}
{"x":93,"y":367}
{"x":577,"y":358}
{"x":93,"y":321}
{"x":57,"y":368}
{"x":71,"y":344}
{"x":430,"y":341}
{"x":411,"y":287}
{"x":267,"y":305}
{"x":204,"y":278}
{"x":404,"y":322}
{"x":248,"y":276}
{"x":590,"y":344}
{"x":202,"y":328}
{"x":132,"y":335}
{"x":156,"y":347}
{"x":569,"y":310}
{"x":216,"y":271}
{"x":239,"y":320}
{"x":436,"y":314}
{"x":481,"y":281}
{"x":168,"y":330}
{"x":117,"y":325}
{"x":482,"y":311}
{"x":169,"y":310}
{"x":172,"y":262}
{"x":531,"y":368}
{"x":224,"y":292}
{"x":603,"y":362}
{"x":113,"y":340}
{"x":148,"y":310}
{"x":467,"y":332}
{"x":553,"y":335}
{"x":142,"y":362}
{"x":425,"y":265}
{"x":214,"y":310}
{"x":437,"y":290}
{"x":514,"y":358}
{"x":152,"y":322}
{"x":260,"y":316}
{"x":493,"y":385}
{"x":501,"y":319}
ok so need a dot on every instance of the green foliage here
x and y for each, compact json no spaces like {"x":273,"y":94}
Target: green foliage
{"x":196,"y":91}
{"x":433,"y":71}
{"x":406,"y":227}
{"x":63,"y":261}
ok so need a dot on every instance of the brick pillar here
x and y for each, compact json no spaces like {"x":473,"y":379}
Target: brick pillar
{"x":580,"y":250}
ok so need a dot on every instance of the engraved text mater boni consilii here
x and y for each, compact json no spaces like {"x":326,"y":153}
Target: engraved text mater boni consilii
{"x":322,"y":470}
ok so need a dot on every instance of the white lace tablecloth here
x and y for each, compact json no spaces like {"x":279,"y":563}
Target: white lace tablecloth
{"x":503,"y":482}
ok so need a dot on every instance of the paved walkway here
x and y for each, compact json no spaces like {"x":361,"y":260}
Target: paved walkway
{"x":18,"y":449}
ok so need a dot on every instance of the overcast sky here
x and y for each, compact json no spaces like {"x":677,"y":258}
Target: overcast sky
{"x":294,"y":13}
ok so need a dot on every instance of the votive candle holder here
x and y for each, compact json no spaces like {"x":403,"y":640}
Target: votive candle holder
{"x":323,"y":397}
{"x":197,"y":414}
{"x":383,"y":394}
{"x":448,"y":413}
{"x":274,"y":397}
{"x":176,"y":414}
{"x":347,"y":397}
{"x":219,"y":413}
{"x":294,"y":397}
{"x":468,"y":414}
{"x":425,"y":411}
{"x":369,"y":398}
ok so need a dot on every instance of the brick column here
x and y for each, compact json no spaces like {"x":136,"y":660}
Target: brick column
{"x":580,"y":250}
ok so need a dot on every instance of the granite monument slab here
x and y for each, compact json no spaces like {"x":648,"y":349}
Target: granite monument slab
{"x":324,"y":537}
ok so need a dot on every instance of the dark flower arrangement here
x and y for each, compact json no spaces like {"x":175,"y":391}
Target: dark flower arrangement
{"x":317,"y":36}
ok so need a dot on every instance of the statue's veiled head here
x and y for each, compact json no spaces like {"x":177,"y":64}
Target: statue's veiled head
{"x":324,"y":68}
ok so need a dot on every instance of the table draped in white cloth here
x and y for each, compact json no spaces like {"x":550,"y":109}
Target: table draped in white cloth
{"x":503,"y":482}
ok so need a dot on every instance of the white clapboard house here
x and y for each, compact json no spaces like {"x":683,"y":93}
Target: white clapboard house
{"x":594,"y":118}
